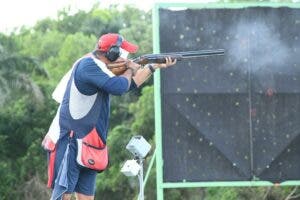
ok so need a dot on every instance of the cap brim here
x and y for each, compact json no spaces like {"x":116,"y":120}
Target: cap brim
{"x":131,"y":48}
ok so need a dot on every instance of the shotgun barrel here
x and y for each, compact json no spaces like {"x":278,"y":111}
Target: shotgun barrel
{"x":160,"y":58}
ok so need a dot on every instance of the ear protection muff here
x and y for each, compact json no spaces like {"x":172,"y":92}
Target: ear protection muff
{"x":114,"y":51}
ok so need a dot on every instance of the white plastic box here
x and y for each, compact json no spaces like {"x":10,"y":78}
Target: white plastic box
{"x":131,"y":168}
{"x":138,"y":146}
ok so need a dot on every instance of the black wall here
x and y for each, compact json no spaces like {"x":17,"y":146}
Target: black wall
{"x":237,"y":116}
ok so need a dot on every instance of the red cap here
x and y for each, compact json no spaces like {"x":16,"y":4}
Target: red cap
{"x":110,"y":39}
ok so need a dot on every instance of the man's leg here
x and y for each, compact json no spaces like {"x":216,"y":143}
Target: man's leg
{"x":86,"y":185}
{"x":84,"y":197}
{"x":67,"y":197}
{"x":73,"y":171}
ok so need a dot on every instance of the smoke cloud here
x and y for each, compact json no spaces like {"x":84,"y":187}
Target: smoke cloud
{"x":258,"y":46}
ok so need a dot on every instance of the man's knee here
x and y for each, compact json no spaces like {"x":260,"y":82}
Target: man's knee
{"x":83,"y":197}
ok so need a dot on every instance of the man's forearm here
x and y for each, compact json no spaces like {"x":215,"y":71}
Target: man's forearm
{"x":142,"y":75}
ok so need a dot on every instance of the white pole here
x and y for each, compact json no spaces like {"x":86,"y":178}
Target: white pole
{"x":141,"y":180}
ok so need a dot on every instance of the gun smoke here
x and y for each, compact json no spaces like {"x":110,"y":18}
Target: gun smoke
{"x":258,"y":46}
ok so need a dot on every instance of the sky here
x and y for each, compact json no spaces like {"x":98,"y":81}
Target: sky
{"x":15,"y":13}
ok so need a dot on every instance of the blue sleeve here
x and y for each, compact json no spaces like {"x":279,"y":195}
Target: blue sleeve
{"x":90,"y":79}
{"x":90,"y":74}
{"x":117,"y":85}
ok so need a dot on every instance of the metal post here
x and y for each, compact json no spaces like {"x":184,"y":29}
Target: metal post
{"x":141,"y":179}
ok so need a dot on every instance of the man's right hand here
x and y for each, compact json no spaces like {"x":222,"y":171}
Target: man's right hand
{"x":134,"y":66}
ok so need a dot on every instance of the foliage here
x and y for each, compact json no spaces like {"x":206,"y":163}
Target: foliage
{"x":14,"y":75}
{"x":22,"y":125}
{"x":111,"y":184}
{"x":143,"y":114}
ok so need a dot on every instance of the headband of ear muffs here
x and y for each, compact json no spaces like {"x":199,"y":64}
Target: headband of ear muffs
{"x":114,"y":51}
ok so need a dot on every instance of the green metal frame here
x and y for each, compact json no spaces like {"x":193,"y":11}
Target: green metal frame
{"x":160,"y":184}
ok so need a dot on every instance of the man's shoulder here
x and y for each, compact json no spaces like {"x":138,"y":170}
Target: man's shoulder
{"x":91,"y":65}
{"x":87,"y":61}
{"x":91,"y":61}
{"x":95,"y":65}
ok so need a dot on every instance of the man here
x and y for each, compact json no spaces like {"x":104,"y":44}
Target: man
{"x":81,"y":122}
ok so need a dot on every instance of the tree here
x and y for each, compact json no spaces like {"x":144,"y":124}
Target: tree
{"x":15,"y":71}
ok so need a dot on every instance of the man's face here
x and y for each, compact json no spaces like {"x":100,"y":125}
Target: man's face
{"x":124,"y":53}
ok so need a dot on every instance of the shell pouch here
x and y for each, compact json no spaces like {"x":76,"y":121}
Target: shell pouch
{"x":92,"y":152}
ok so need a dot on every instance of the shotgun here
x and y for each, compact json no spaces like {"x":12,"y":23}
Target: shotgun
{"x":119,"y":67}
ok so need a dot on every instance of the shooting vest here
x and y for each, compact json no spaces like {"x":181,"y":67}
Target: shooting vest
{"x":77,"y":113}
